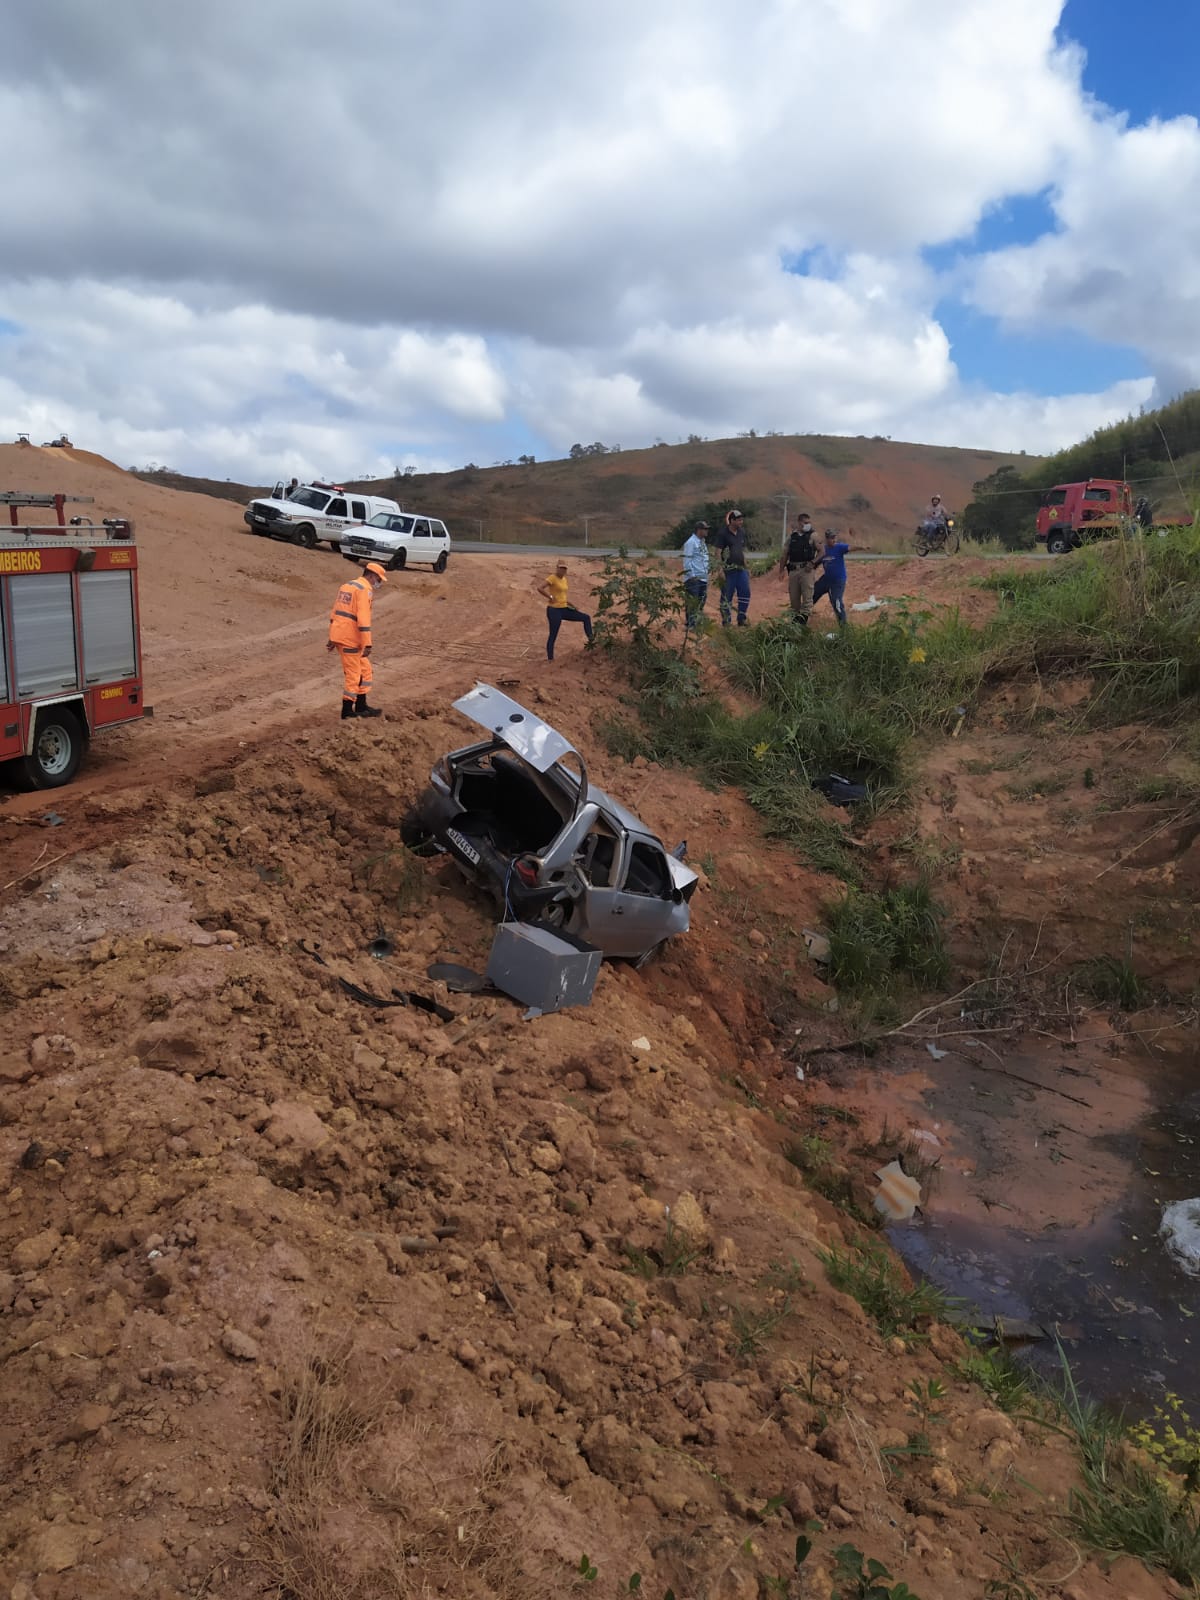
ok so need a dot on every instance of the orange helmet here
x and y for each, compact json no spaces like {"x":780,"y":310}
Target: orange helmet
{"x":373,"y":566}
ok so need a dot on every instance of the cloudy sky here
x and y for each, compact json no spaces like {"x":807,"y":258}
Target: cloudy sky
{"x":279,"y":236}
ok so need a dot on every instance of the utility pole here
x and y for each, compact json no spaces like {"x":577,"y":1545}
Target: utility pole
{"x":784,"y":498}
{"x":591,"y":517}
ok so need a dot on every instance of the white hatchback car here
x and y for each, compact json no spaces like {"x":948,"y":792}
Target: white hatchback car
{"x":398,"y":538}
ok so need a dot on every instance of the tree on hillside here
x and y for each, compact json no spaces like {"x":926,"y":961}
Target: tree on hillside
{"x":578,"y":451}
{"x":712,"y":512}
{"x":1004,"y":507}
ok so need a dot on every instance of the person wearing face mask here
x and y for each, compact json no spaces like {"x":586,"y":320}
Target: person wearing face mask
{"x":799,"y":562}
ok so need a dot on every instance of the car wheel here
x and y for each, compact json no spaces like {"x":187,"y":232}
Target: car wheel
{"x":648,"y":957}
{"x":1058,"y":543}
{"x":396,"y":564}
{"x":440,"y":564}
{"x":305,"y":536}
{"x":57,"y":751}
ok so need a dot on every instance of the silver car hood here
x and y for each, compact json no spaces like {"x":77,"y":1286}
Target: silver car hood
{"x":532,"y":739}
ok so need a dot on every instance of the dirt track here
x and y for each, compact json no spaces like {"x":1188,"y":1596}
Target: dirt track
{"x":304,"y":1298}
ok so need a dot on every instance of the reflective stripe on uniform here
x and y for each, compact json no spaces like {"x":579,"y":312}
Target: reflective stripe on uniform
{"x":349,"y":614}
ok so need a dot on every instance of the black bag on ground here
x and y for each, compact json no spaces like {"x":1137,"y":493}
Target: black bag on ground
{"x":840,"y":791}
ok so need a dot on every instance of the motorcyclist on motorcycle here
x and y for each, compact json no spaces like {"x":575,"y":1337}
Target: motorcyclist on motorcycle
{"x":935,"y":512}
{"x":936,"y":530}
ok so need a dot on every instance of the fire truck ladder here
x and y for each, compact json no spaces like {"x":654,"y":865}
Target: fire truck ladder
{"x":15,"y":499}
{"x":80,"y":531}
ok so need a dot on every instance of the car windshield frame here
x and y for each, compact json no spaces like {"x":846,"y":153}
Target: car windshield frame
{"x":387,"y":520}
{"x":311,"y":499}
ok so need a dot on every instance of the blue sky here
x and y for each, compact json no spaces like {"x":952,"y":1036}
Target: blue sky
{"x":1142,"y":60}
{"x":1142,"y":57}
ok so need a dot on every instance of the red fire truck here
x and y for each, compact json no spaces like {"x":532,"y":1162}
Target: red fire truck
{"x":70,"y":642}
{"x":1071,"y":514}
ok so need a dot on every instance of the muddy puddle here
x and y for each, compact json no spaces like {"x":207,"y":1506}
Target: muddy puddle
{"x":1055,"y":1167}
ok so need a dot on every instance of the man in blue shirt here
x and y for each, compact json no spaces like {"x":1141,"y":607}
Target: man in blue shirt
{"x":833,"y":579}
{"x":731,"y":542}
{"x":695,"y":574}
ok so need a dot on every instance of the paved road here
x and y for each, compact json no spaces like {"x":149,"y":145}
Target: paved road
{"x":468,"y":547}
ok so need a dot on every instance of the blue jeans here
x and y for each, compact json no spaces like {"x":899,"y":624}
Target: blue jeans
{"x":737,"y":583}
{"x":556,"y":616}
{"x":695,"y":592}
{"x":836,"y":590}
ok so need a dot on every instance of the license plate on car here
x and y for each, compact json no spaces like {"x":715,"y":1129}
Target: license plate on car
{"x":465,"y":845}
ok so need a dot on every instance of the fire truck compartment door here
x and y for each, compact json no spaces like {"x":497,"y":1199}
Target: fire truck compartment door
{"x":10,"y":716}
{"x":44,"y":633}
{"x":109,"y":650}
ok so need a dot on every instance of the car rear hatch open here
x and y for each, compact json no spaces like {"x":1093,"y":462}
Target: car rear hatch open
{"x":526,"y":735}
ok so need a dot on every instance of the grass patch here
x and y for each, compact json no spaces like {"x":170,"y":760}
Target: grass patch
{"x":1123,"y":1506}
{"x":872,"y":1275}
{"x":1125,"y":614}
{"x":876,"y":938}
{"x":676,"y":1255}
{"x":621,"y":738}
{"x":399,"y":876}
{"x":1002,"y":1378}
{"x":1037,"y":788}
{"x":753,"y":1326}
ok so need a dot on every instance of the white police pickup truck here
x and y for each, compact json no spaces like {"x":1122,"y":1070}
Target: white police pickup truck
{"x":398,"y":538}
{"x":314,"y":512}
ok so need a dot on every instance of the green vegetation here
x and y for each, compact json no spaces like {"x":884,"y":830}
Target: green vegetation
{"x":713,"y":512}
{"x":1113,"y":980}
{"x":752,"y":1326}
{"x":1124,"y":1507}
{"x":859,"y":1577}
{"x":1002,"y":1378}
{"x":676,"y":1255}
{"x":1144,"y":450}
{"x":875,"y":937}
{"x":870,"y":1273}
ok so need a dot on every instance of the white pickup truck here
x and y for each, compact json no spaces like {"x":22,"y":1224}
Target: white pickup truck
{"x":314,"y":512}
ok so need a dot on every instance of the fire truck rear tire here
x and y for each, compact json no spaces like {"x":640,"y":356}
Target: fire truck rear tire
{"x":57,"y":751}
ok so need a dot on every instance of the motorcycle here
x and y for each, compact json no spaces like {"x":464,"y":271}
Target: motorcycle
{"x":936,"y":535}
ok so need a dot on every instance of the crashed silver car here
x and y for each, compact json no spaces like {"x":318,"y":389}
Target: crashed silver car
{"x":518,"y":815}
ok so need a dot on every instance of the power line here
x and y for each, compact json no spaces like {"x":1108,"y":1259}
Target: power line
{"x":1161,"y":477}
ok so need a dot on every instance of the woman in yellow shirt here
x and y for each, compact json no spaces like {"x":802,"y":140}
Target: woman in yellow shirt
{"x":554,"y":587}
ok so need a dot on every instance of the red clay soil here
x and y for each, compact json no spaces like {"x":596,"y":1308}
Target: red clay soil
{"x":305,"y":1298}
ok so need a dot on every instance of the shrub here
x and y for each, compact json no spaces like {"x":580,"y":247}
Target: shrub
{"x":875,"y":937}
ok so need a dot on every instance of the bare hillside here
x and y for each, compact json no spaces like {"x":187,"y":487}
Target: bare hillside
{"x":875,"y":486}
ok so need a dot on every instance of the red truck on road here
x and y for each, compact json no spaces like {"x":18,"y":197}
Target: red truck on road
{"x":70,"y":637}
{"x":1071,"y":513}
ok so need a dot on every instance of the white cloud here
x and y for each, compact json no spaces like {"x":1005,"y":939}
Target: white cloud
{"x":1124,"y":263}
{"x":280,"y":231}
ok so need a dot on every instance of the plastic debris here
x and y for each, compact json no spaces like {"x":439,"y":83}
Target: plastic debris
{"x":868,"y":605}
{"x":1181,"y":1230}
{"x":641,"y":1044}
{"x":799,"y":1074}
{"x":898,"y":1195}
{"x":818,"y":948}
{"x":938,"y":1055}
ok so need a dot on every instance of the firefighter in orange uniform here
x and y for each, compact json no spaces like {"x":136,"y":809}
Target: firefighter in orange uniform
{"x":350,"y":633}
